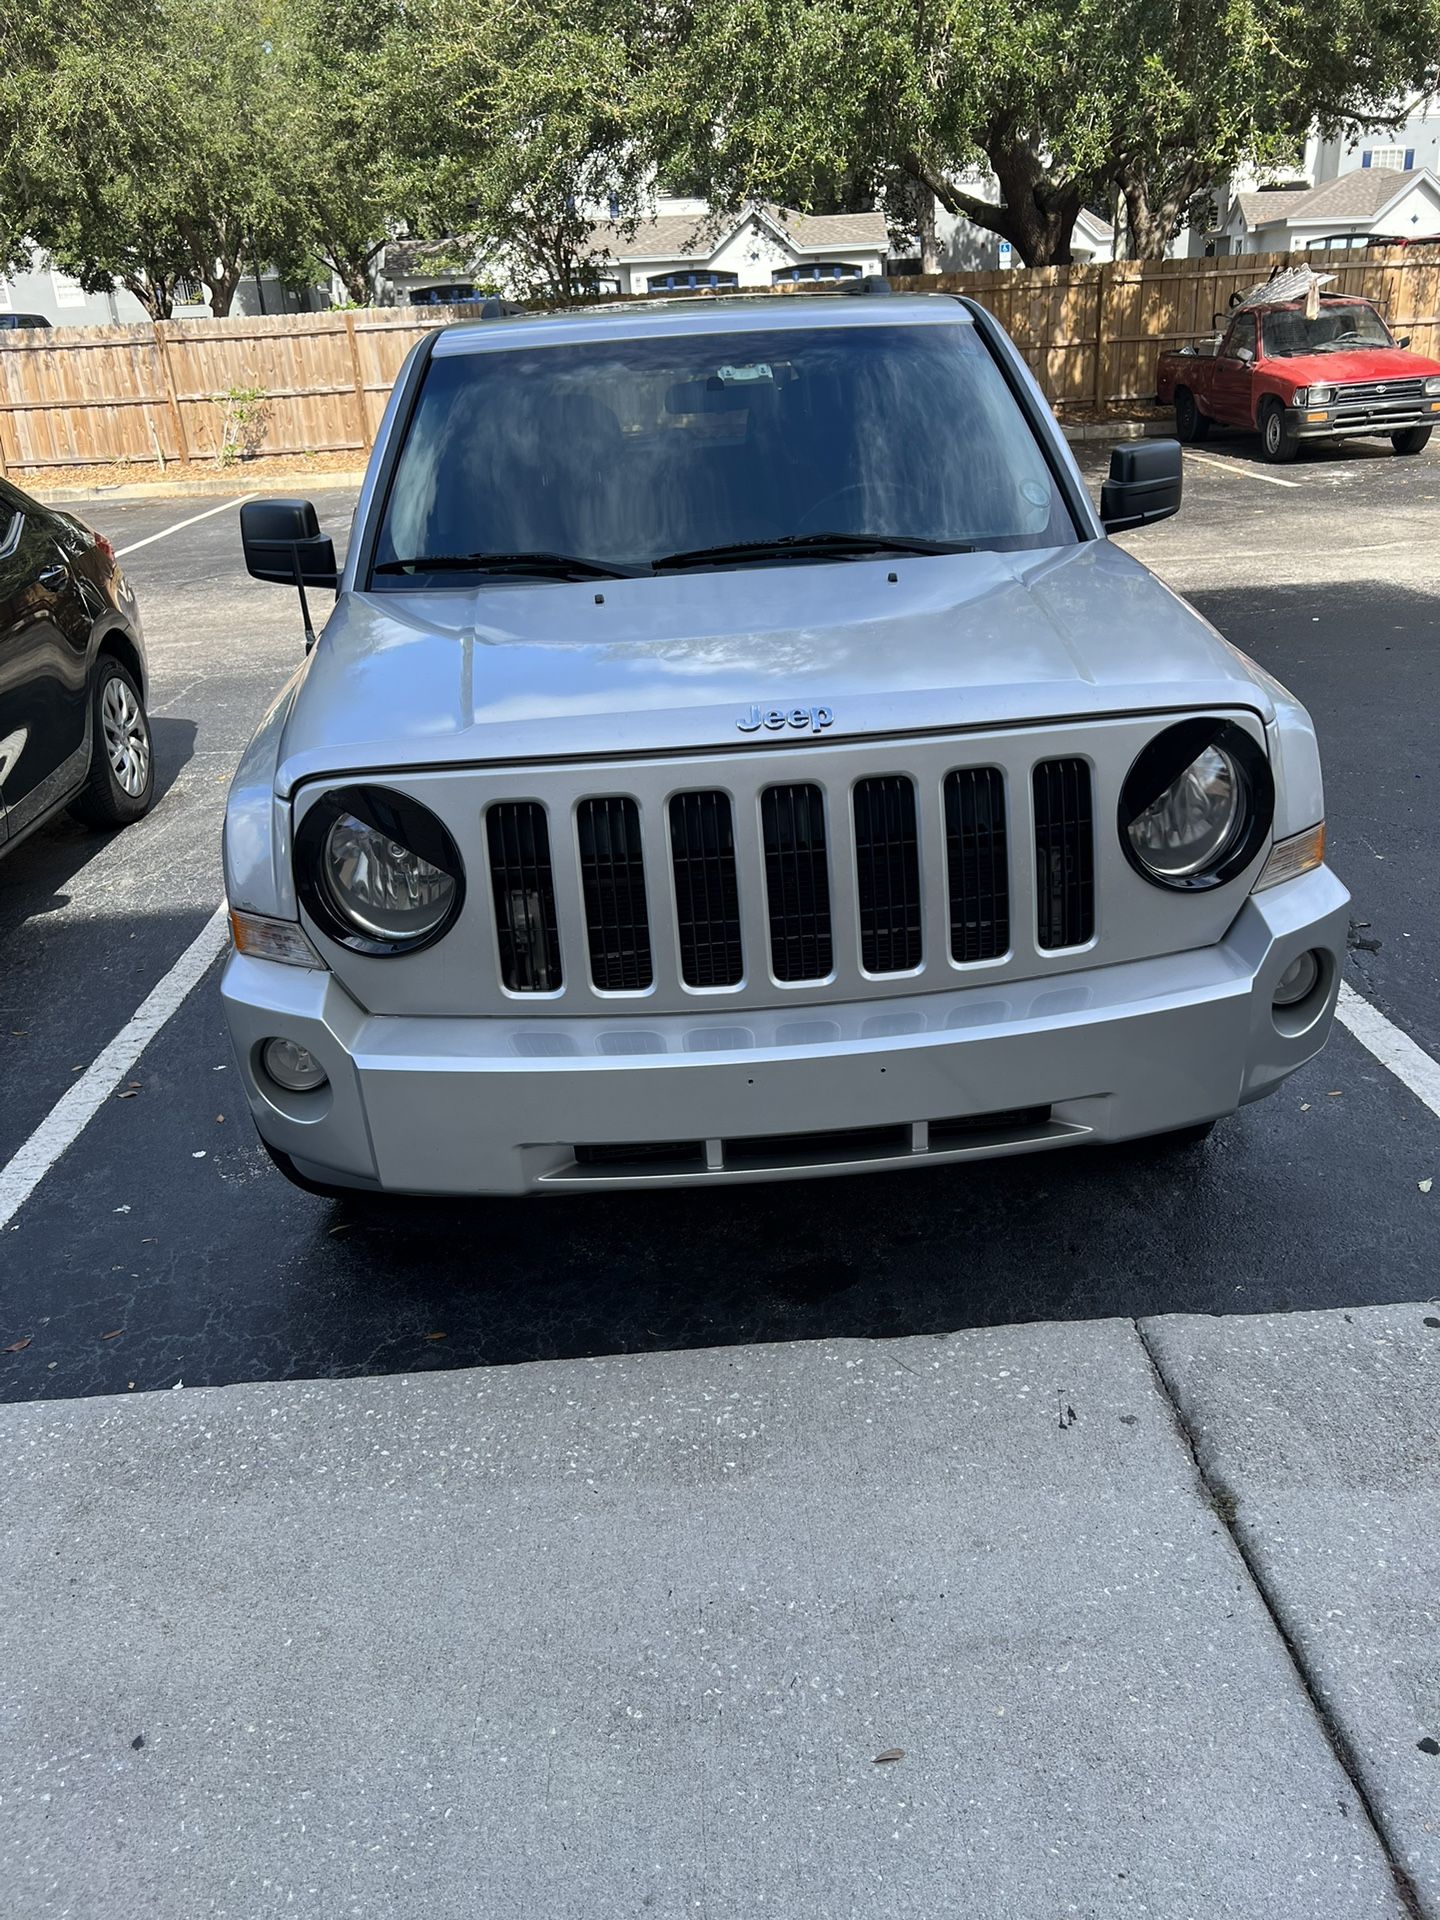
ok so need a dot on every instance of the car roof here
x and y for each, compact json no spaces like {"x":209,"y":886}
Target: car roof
{"x":705,"y":314}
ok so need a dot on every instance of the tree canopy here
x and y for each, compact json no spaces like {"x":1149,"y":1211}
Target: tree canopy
{"x":154,"y":142}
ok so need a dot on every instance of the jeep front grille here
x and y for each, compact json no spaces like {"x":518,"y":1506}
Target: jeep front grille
{"x":524,"y":886}
{"x":707,"y":898}
{"x":978,"y":863}
{"x":887,"y":874}
{"x":612,"y":875}
{"x":1064,"y":854}
{"x":825,"y":891}
{"x":797,"y":882}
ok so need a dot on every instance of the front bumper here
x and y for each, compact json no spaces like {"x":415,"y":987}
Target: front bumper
{"x":471,"y":1106}
{"x":1355,"y":419}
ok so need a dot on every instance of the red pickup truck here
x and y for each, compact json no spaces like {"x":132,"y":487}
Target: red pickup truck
{"x":1289,"y":377}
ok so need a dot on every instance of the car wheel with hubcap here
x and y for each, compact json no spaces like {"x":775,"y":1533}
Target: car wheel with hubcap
{"x":1411,"y":439}
{"x":1278,"y":440}
{"x":121,"y":782}
{"x":1190,"y":424}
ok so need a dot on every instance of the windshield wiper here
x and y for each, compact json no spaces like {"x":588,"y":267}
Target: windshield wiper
{"x":552,"y":566}
{"x":839,"y":546}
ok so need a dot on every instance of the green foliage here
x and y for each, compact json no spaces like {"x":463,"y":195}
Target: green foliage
{"x":244,"y":412}
{"x":147,"y":141}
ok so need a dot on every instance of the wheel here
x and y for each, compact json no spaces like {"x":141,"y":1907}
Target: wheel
{"x":121,"y":782}
{"x":1411,"y":439}
{"x":1278,"y":441}
{"x":1190,"y":424}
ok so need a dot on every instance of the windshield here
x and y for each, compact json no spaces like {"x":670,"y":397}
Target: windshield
{"x":624,"y":453}
{"x":1334,"y":329}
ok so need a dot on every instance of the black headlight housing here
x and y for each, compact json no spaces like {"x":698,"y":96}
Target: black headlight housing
{"x":1155,"y":779}
{"x":378,"y":872}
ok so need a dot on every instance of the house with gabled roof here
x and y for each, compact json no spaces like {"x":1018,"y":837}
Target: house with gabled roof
{"x":685,"y":247}
{"x":1366,"y":205}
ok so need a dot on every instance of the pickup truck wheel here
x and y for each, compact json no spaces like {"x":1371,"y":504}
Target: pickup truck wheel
{"x":1278,"y":442}
{"x":1411,"y":440}
{"x":1190,"y":423}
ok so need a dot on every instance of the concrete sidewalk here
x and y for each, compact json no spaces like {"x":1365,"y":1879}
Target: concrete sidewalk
{"x":632,"y":1636}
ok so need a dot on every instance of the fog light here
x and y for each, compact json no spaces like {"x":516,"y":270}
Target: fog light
{"x":292,"y":1066}
{"x":1298,"y":980}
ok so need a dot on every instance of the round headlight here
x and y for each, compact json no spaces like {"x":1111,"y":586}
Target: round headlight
{"x":1188,"y":828}
{"x":382,"y":886}
{"x":1197,"y":804}
{"x":378,"y":871}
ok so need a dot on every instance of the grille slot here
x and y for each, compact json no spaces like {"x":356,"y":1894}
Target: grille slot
{"x":707,"y":896}
{"x":1064,"y":854}
{"x":612,"y":876}
{"x":524,"y":886}
{"x":887,"y":874}
{"x":977,"y":858}
{"x":797,"y":882}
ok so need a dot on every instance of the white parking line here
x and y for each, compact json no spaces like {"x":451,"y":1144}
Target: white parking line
{"x":78,"y":1105}
{"x":1410,"y":1064}
{"x":1240,"y":467}
{"x":180,"y":525}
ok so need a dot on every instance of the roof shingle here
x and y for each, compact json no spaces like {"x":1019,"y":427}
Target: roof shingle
{"x":1352,"y":196}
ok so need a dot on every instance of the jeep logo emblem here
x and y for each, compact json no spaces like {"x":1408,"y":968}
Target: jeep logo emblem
{"x":776,"y":719}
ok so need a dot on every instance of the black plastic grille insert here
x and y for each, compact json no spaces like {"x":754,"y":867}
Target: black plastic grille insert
{"x":977,"y":857}
{"x":887,"y":874}
{"x":612,"y":876}
{"x":707,"y":896}
{"x":1064,"y":853}
{"x":524,"y":886}
{"x":797,"y":881}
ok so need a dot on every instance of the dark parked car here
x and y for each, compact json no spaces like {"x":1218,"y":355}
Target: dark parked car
{"x":13,"y":322}
{"x":73,"y":728}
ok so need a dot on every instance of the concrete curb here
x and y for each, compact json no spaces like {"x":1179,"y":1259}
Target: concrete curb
{"x":1113,"y":430}
{"x":232,"y":487}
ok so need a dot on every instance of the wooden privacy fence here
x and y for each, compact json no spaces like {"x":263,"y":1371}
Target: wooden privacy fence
{"x":78,"y":396}
{"x":1091,"y":334}
{"x":81,"y":396}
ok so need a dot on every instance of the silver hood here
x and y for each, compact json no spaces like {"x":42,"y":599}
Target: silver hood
{"x":557,"y":671}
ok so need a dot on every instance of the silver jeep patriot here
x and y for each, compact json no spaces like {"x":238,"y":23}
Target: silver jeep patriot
{"x":738,"y":752}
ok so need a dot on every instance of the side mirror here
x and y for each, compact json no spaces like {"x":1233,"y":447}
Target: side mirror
{"x":283,"y":543}
{"x":1144,"y":485}
{"x":1403,"y":343}
{"x":1245,"y":355}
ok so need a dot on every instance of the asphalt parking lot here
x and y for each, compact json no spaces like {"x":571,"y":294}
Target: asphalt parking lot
{"x":162,"y":1248}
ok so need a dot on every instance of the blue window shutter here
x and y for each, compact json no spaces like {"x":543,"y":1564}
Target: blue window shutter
{"x":1409,"y":158}
{"x":1365,"y":158}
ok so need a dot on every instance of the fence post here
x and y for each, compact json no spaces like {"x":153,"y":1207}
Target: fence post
{"x":182,"y":449}
{"x":3,"y":468}
{"x":360,"y":408}
{"x":1102,"y":328}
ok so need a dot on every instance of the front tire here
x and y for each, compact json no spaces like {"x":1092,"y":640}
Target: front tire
{"x":1278,"y":440}
{"x":121,"y":782}
{"x":1190,"y":424}
{"x":1411,"y":439}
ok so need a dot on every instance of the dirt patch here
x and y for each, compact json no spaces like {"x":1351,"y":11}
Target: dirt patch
{"x":243,"y":473}
{"x":1114,"y":414}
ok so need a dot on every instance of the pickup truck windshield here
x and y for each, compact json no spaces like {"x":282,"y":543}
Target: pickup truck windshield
{"x":621,"y":454}
{"x":1333,"y":330}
